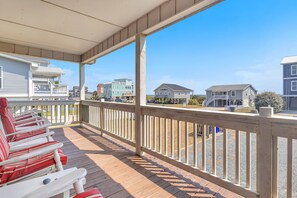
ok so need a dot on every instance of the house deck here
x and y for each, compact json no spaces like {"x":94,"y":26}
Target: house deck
{"x":115,"y":169}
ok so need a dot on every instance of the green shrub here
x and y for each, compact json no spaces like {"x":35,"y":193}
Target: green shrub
{"x":271,"y":99}
{"x":193,"y":102}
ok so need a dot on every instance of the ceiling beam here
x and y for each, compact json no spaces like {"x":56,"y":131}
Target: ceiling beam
{"x":164,"y":15}
{"x":38,"y":52}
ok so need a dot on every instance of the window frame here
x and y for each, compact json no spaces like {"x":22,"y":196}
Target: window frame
{"x":234,"y":94}
{"x":293,"y":81}
{"x":292,"y":66}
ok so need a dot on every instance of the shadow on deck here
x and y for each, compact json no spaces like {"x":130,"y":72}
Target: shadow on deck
{"x":114,"y":168}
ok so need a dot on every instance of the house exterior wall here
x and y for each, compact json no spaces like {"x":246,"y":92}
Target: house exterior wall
{"x":287,"y":80}
{"x":165,"y":92}
{"x":118,"y":88}
{"x":15,"y":79}
{"x":287,"y":70}
{"x":246,"y":96}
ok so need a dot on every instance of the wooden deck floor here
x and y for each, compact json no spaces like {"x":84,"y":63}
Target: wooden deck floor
{"x":114,"y":168}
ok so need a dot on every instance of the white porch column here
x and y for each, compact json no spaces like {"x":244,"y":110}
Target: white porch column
{"x":82,"y":81}
{"x":140,"y":88}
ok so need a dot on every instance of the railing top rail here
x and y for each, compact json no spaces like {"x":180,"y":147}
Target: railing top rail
{"x":42,"y":102}
{"x":111,"y":105}
{"x":231,"y":120}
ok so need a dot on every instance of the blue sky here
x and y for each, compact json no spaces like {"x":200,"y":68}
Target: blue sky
{"x":236,"y":41}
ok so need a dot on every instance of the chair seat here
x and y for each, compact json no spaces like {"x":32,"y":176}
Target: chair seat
{"x":26,"y":167}
{"x":22,"y":136}
{"x":93,"y":193}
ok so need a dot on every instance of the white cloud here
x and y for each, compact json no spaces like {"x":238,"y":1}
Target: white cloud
{"x":264,"y":77}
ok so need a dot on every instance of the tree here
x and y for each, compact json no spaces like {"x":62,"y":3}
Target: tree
{"x":193,"y":102}
{"x":94,"y":95}
{"x":271,"y":99}
{"x":200,"y":99}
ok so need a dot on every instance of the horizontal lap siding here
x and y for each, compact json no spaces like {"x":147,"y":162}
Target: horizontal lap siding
{"x":15,"y":77}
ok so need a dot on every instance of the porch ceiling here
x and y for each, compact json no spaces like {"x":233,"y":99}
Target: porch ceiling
{"x":68,"y":29}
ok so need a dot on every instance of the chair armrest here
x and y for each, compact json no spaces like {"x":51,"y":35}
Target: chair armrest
{"x":35,"y":153}
{"x":32,"y":128}
{"x":44,"y":135}
{"x":59,"y":185}
{"x":25,"y":120}
{"x":21,"y":116}
{"x":36,"y":121}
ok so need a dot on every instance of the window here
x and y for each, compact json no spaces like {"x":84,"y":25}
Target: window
{"x":294,"y":85}
{"x":233,"y":93}
{"x":1,"y":77}
{"x":293,"y":69}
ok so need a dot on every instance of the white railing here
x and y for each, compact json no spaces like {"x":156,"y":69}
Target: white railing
{"x":58,"y":112}
{"x":249,"y":154}
{"x":50,"y":89}
{"x":115,"y":119}
{"x":215,"y":97}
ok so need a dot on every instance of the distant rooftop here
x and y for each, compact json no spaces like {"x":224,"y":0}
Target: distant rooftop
{"x":175,"y":87}
{"x":289,"y":59}
{"x":218,"y":88}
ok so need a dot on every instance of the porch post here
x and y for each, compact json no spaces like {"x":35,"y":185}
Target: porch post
{"x":140,"y":88}
{"x":265,"y":158}
{"x":82,"y":81}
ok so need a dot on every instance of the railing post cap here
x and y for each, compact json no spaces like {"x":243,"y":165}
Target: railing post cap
{"x":266,"y":111}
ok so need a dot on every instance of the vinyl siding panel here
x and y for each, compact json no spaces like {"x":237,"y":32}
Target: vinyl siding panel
{"x":15,"y":77}
{"x":287,"y":87}
{"x":287,"y":71}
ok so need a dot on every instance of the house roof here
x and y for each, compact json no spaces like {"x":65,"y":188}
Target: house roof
{"x":289,"y":59}
{"x":20,"y":59}
{"x":218,"y":88}
{"x":48,"y":71}
{"x":174,"y":87}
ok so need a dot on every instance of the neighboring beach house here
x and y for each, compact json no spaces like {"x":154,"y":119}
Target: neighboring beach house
{"x":173,"y":92}
{"x":221,"y":95}
{"x":23,"y":78}
{"x":290,"y":82}
{"x":119,"y":88}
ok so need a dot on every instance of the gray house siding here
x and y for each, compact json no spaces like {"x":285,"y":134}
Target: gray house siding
{"x":165,"y":92}
{"x":287,"y":87}
{"x":287,"y":71}
{"x":244,"y":97}
{"x":15,"y":77}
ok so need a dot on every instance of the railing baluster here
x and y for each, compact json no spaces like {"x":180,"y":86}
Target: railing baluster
{"x":155,"y":132}
{"x":248,"y":160}
{"x":204,"y":147}
{"x":160,"y":136}
{"x":214,"y":150}
{"x":225,"y":154}
{"x":126,"y":125}
{"x":165,"y":137}
{"x":118,"y":122}
{"x":195,"y":151}
{"x":147,"y":130}
{"x":275,"y":162}
{"x":289,"y":167}
{"x":60,"y":113}
{"x":186,"y":143}
{"x":150,"y":132}
{"x":172,"y":138}
{"x":178,"y":140}
{"x":237,"y":156}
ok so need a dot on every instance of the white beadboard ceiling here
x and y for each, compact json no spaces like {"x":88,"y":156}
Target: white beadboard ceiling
{"x":71,"y":26}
